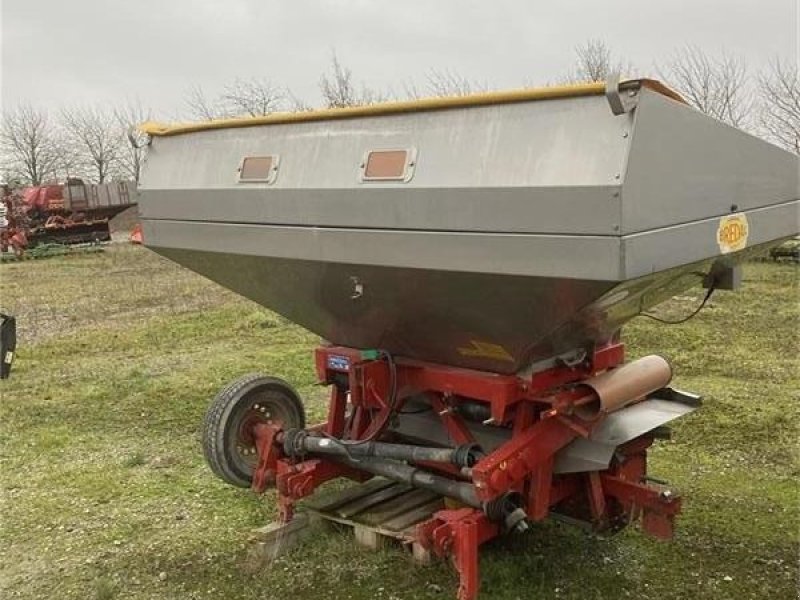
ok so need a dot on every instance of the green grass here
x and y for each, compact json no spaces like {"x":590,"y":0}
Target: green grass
{"x":104,"y":493}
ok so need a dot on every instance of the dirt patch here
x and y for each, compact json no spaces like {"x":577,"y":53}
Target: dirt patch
{"x":121,"y":286}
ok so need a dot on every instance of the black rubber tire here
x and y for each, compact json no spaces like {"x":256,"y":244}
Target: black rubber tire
{"x":226,"y":414}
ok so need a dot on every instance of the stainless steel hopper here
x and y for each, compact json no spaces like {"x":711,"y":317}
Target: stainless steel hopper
{"x":489,"y":231}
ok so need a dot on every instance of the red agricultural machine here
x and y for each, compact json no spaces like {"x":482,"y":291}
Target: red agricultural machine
{"x":72,"y":213}
{"x":471,"y":262}
{"x":507,"y":449}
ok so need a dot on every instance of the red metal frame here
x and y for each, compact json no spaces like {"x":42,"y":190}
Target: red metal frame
{"x":458,"y":534}
{"x":539,"y":412}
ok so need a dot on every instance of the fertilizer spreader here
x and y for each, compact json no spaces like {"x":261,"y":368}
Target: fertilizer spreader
{"x":470,"y":262}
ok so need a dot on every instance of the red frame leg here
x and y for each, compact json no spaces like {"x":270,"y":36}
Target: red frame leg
{"x":458,"y":534}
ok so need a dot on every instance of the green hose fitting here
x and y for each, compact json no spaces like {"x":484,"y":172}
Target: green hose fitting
{"x":370,"y":354}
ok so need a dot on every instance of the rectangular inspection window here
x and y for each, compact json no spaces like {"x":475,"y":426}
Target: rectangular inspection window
{"x":388,"y":165}
{"x":258,"y":169}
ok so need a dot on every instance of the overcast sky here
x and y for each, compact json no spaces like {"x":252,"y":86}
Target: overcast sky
{"x":66,"y":52}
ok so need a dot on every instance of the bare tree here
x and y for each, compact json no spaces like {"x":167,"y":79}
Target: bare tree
{"x":134,"y":144}
{"x":717,"y":86}
{"x":71,"y":157}
{"x":254,"y":97}
{"x":445,"y":82}
{"x":594,"y":61}
{"x":339,"y":90}
{"x":295,"y":103}
{"x":337,"y":86}
{"x":200,"y":107}
{"x":96,"y":133}
{"x":29,"y":145}
{"x":780,"y":100}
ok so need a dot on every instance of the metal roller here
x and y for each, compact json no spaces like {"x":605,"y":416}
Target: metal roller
{"x":617,"y":388}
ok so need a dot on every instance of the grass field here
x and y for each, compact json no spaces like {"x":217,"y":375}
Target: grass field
{"x":105,"y":494}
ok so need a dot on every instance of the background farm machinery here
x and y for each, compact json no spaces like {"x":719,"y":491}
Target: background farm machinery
{"x":72,"y":213}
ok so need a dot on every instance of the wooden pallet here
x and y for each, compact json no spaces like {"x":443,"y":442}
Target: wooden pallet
{"x":379,"y":511}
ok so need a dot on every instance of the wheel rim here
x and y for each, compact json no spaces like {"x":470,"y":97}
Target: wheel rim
{"x":270,"y":407}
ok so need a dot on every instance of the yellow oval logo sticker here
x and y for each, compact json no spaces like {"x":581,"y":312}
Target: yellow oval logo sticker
{"x":732,"y":233}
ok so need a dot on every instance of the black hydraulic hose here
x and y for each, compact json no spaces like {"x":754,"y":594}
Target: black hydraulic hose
{"x":392,"y":404}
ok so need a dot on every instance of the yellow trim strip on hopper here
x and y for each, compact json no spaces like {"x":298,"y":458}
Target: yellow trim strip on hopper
{"x":406,"y":106}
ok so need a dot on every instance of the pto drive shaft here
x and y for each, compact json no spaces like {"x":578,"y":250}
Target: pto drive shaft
{"x":384,"y":459}
{"x":298,"y":442}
